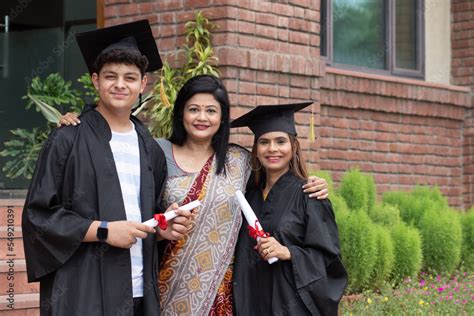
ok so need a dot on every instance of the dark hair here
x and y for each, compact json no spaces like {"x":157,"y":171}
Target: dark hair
{"x":297,"y":165}
{"x":214,"y":86}
{"x":121,"y":56}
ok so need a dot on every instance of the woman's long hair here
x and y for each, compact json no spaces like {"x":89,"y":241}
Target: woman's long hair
{"x":297,"y":165}
{"x":214,"y":86}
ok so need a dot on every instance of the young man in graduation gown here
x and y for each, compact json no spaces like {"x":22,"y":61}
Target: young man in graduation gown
{"x":309,"y":277}
{"x":94,"y":185}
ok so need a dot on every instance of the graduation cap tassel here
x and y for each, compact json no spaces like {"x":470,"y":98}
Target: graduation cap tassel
{"x":312,"y":136}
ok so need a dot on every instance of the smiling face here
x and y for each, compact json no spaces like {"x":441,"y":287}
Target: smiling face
{"x":119,"y":86}
{"x":274,"y":152}
{"x":202,"y":117}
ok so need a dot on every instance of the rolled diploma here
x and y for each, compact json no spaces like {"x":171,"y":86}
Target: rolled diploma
{"x":172,"y":214}
{"x":250,"y":217}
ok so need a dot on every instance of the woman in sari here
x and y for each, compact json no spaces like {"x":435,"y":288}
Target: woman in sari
{"x":195,"y":275}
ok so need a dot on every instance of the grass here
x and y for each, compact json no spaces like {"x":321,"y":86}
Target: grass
{"x":428,"y":295}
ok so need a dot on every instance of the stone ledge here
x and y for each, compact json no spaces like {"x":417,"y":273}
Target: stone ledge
{"x":22,"y":301}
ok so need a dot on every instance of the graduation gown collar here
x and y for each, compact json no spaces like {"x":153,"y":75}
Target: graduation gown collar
{"x":103,"y":126}
{"x":279,"y":186}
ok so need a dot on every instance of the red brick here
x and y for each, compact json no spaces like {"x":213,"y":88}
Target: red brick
{"x":267,"y":45}
{"x":246,"y":15}
{"x":247,"y":87}
{"x":127,"y":9}
{"x":249,"y":100}
{"x":246,"y":41}
{"x":266,"y":89}
{"x":146,"y":8}
{"x":247,"y":75}
{"x":267,"y":100}
{"x":116,"y":1}
{"x":196,"y":3}
{"x":312,"y":15}
{"x":298,"y":12}
{"x":110,"y":11}
{"x":226,"y":25}
{"x":282,"y":9}
{"x":246,"y":27}
{"x":267,"y":77}
{"x":283,"y":21}
{"x":266,"y":18}
{"x":299,"y":37}
{"x":166,"y":17}
{"x":283,"y":35}
{"x":302,"y":3}
{"x":266,"y":31}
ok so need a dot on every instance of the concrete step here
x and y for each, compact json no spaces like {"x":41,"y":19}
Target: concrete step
{"x":19,"y":302}
{"x":11,"y":243}
{"x":10,"y":211}
{"x":21,"y":312}
{"x":13,"y":278}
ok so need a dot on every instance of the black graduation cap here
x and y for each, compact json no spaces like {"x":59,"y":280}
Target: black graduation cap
{"x":271,"y":118}
{"x":135,"y":36}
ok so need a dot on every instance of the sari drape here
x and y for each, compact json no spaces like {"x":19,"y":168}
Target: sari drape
{"x":195,"y":274}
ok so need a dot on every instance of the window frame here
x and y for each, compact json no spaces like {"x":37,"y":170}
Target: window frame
{"x":390,"y":35}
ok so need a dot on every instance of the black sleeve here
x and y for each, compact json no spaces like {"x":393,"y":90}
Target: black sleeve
{"x":319,"y":274}
{"x":51,"y":232}
{"x":160,"y":173}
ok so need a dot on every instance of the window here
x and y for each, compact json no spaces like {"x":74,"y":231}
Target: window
{"x":383,"y":36}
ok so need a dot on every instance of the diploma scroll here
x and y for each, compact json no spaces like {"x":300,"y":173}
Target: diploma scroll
{"x":162,"y":219}
{"x":252,"y":219}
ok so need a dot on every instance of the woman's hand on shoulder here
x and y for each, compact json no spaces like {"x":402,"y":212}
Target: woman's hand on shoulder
{"x":69,"y":119}
{"x":317,"y":187}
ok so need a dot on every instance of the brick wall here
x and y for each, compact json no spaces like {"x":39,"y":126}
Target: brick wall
{"x":463,"y":74}
{"x":405,"y":132}
{"x":268,"y":50}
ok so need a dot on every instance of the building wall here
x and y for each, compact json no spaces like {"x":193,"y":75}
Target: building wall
{"x":463,"y":75}
{"x":405,"y":132}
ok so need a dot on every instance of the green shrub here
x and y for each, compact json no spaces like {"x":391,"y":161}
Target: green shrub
{"x":468,"y":240}
{"x":385,"y":257}
{"x":338,"y":204}
{"x":385,"y":214}
{"x":413,"y":205}
{"x":431,"y":193}
{"x":371,"y":192}
{"x":442,"y":239}
{"x":358,"y":246}
{"x":358,"y":190}
{"x":407,"y":251}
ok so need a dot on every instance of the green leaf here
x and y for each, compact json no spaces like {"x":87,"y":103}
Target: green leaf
{"x":49,"y":112}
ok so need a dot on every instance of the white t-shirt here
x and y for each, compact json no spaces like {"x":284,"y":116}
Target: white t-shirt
{"x":127,"y":161}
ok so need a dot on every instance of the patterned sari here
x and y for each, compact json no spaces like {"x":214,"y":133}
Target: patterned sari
{"x":196,"y":274}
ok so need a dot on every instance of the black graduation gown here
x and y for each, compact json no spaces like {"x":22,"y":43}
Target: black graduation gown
{"x":76,"y":182}
{"x":313,"y":281}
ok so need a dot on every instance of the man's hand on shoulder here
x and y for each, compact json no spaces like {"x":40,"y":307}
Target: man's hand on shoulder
{"x":69,"y":119}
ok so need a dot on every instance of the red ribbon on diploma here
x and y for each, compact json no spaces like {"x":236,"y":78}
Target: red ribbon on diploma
{"x":162,"y":223}
{"x":254,"y":232}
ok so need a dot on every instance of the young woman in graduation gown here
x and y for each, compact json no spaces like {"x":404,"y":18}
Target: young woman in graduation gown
{"x":309,"y":277}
